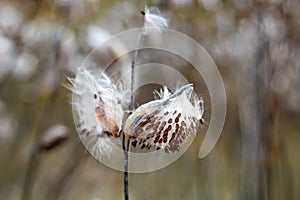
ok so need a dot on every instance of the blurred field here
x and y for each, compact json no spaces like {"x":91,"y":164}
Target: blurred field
{"x":256,"y":46}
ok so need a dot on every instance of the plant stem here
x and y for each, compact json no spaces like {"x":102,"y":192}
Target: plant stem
{"x":135,"y":53}
{"x":126,"y":175}
{"x":132,"y":87}
{"x":126,"y":141}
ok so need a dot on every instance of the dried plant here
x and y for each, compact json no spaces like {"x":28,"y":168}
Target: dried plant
{"x":100,"y":106}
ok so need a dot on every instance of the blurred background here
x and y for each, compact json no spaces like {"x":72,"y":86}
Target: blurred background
{"x":256,"y":46}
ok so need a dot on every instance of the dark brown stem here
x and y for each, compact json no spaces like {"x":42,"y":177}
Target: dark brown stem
{"x":126,"y":174}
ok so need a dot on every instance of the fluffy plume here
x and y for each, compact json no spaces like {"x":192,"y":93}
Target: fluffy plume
{"x":98,"y":109}
{"x":153,"y":21}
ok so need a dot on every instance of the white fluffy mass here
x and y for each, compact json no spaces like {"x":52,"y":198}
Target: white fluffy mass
{"x":98,"y":110}
{"x":153,"y":21}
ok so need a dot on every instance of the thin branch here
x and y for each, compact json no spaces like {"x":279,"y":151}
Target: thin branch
{"x":126,"y":175}
{"x":125,"y":143}
{"x":132,"y":107}
{"x":132,"y":87}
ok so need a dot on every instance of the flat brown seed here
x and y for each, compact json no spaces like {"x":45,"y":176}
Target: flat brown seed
{"x":134,"y":143}
{"x":160,"y":140}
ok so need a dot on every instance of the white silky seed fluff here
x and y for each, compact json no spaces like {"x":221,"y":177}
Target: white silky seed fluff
{"x":153,"y":22}
{"x":98,"y":111}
